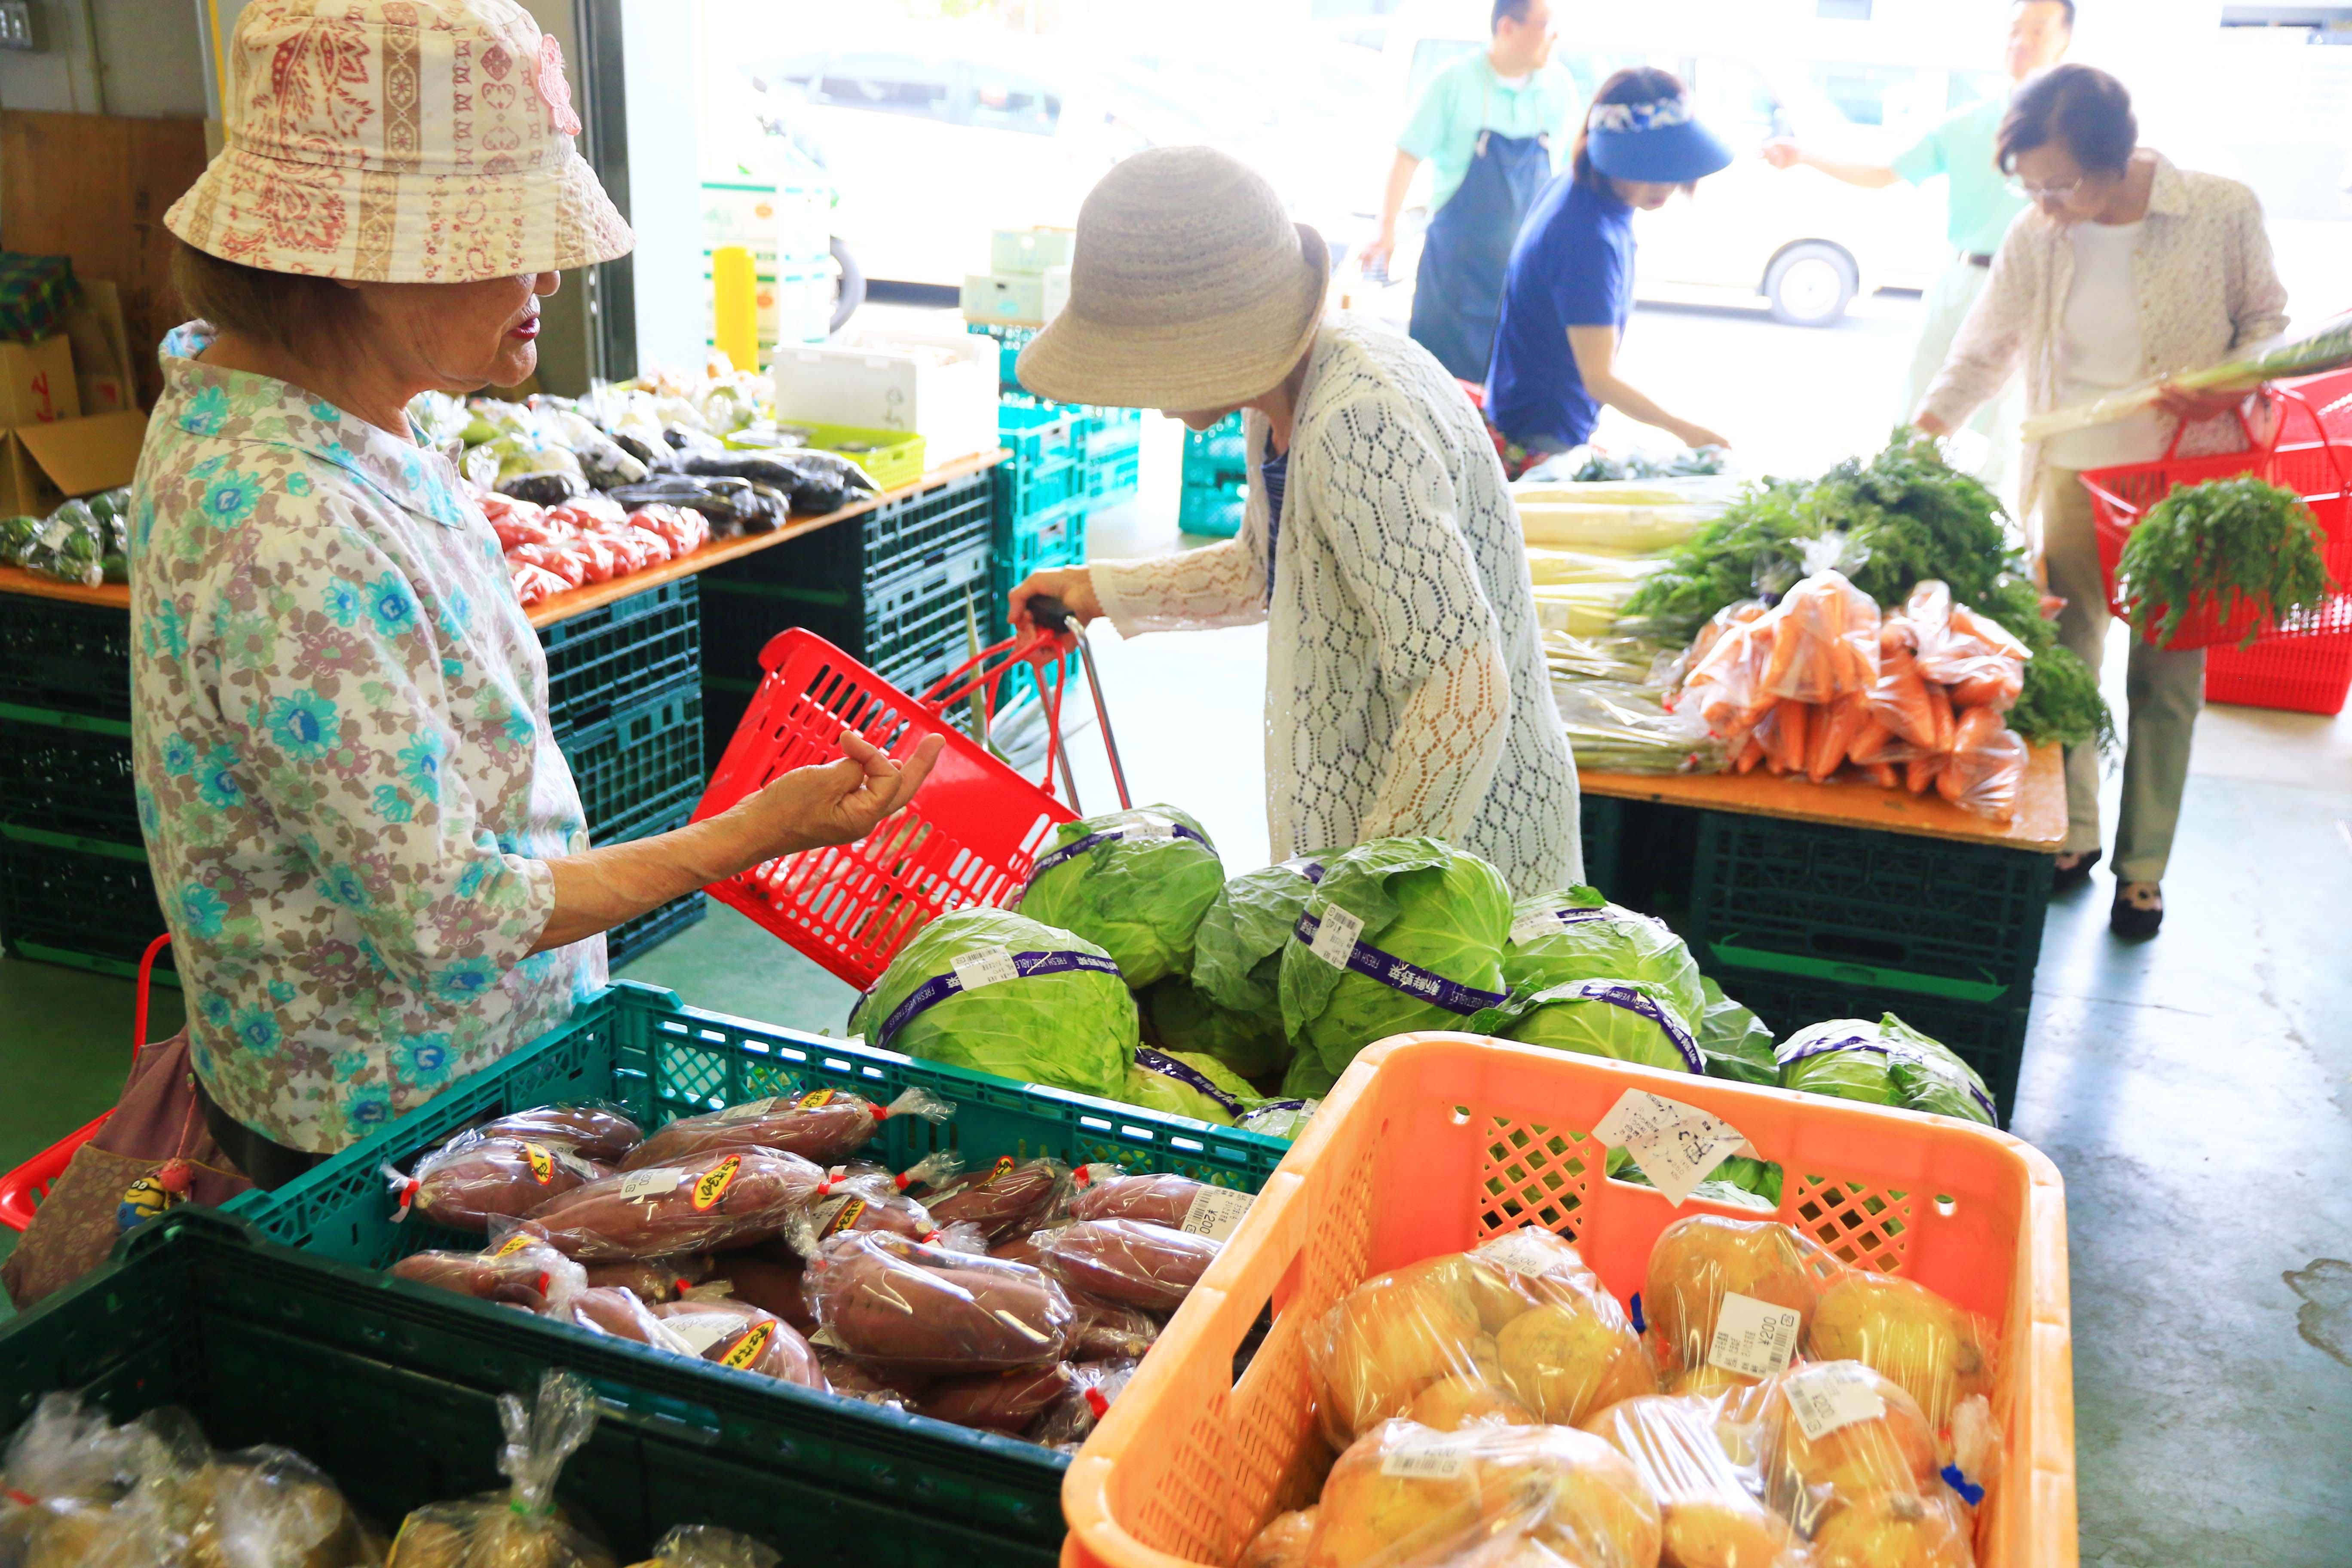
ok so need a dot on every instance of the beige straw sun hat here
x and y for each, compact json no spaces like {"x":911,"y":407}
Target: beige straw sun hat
{"x":398,"y":141}
{"x":1190,"y":289}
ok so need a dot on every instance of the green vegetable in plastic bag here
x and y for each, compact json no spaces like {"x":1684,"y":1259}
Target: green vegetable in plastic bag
{"x":1179,"y":1017}
{"x":1885,"y":1063}
{"x":992,"y":990}
{"x":1578,"y":935}
{"x":1186,"y":1083}
{"x":1237,"y":953}
{"x":16,"y":537}
{"x":1733,"y":1040}
{"x":1281,"y":1118}
{"x":1420,"y":928}
{"x":70,"y":545}
{"x":1136,"y":881}
{"x":1626,"y":1020}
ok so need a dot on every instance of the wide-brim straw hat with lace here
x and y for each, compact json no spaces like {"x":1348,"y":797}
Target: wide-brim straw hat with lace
{"x":398,"y":141}
{"x":1190,"y":289}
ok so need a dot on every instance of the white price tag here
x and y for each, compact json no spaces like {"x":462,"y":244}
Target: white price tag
{"x":1752,"y":1338}
{"x":61,"y":529}
{"x":656,"y":1182}
{"x":985,"y":966}
{"x":1335,"y":938}
{"x":1441,"y":1460}
{"x":701,"y":1331}
{"x":1523,"y":1251}
{"x":1150,"y":827}
{"x":1677,"y":1145}
{"x":751,"y":1111}
{"x":1833,"y":1395}
{"x":1214,"y":1212}
{"x":1542,"y":923}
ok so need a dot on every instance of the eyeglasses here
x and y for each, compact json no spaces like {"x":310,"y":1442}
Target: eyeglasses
{"x":2044,"y":193}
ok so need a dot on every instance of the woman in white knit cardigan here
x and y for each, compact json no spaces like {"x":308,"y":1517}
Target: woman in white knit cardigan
{"x":1406,"y":690}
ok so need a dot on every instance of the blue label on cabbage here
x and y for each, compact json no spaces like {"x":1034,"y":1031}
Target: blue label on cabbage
{"x":1893,"y":1051}
{"x":1167,"y":1066}
{"x":1156,"y":828}
{"x":1619,"y":994}
{"x":1310,"y":870}
{"x":1394,"y":973}
{"x":939,"y":987}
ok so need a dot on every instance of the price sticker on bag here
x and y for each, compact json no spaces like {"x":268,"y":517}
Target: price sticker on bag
{"x":1833,"y":1395}
{"x":1335,"y":937}
{"x":1526,"y":1251}
{"x":1214,"y":1212}
{"x":701,"y":1331}
{"x":1540,"y":923}
{"x":1439,"y":1459}
{"x":656,"y":1182}
{"x":1752,"y":1338}
{"x":751,"y":1111}
{"x":985,"y":966}
{"x":1677,"y":1145}
{"x":1149,"y":828}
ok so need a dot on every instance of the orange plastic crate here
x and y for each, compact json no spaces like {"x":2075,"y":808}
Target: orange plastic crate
{"x":1430,"y":1143}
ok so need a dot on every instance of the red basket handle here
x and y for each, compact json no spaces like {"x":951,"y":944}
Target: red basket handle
{"x":2269,"y":449}
{"x":139,"y":1007}
{"x":1041,"y":651}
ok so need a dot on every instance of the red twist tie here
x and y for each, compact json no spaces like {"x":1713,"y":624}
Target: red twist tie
{"x":23,"y":1499}
{"x":1096,"y":1402}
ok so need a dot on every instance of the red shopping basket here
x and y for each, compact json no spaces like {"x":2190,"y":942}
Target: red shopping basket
{"x":2303,"y":667}
{"x":2320,"y":471}
{"x":22,"y":1189}
{"x":2330,"y":397}
{"x":969,"y":836}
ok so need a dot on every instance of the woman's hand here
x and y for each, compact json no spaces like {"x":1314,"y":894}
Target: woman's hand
{"x":1073,"y":585}
{"x":1698,"y":436}
{"x":835,"y":802}
{"x":2179,"y":402}
{"x":1928,"y":424}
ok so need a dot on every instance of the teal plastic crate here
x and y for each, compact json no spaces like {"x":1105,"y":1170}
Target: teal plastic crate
{"x":392,"y":1389}
{"x":1211,"y":512}
{"x":639,"y":1046}
{"x":1049,"y":466}
{"x":1214,"y":457}
{"x":634,"y":939}
{"x":1010,"y":342}
{"x":641,"y":770}
{"x":1114,"y":457}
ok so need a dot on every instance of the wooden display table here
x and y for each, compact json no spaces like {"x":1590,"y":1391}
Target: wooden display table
{"x":41,"y":585}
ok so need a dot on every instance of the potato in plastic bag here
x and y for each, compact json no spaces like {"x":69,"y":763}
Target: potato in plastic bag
{"x":1283,"y":1544}
{"x":1696,"y":1263}
{"x":268,"y":1508}
{"x":522,"y":1527}
{"x":707,"y":1546}
{"x":1848,"y":1458}
{"x":1939,"y":1352}
{"x":1713,"y":1515}
{"x":66,"y":1468}
{"x":1406,"y":1495}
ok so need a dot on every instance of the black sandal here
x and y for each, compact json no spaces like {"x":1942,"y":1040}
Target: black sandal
{"x":2135,"y":923}
{"x":2068,"y":878}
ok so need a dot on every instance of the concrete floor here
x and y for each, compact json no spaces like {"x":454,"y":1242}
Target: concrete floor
{"x":2196,"y":1091}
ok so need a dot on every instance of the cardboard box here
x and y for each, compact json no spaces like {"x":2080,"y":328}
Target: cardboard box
{"x":1013,"y":299}
{"x":1030,"y":250}
{"x":101,"y":350}
{"x":41,"y":464}
{"x":36,"y":381}
{"x":942,"y":386}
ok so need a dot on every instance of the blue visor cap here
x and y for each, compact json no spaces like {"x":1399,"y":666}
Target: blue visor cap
{"x":1658,"y":142}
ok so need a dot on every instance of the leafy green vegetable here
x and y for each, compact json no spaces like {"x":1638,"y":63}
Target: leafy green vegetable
{"x":1426,"y":902}
{"x":1557,"y":937}
{"x":1237,"y":952}
{"x":1184,"y":1083}
{"x":1733,"y":1040}
{"x":1281,"y":1118}
{"x":1625,"y":1020}
{"x":1075,"y":1029}
{"x":1179,"y":1017}
{"x":1885,"y":1063}
{"x":1681,"y":464}
{"x":2230,"y":545}
{"x":16,"y":537}
{"x":1308,"y":1079}
{"x":1139,"y":887}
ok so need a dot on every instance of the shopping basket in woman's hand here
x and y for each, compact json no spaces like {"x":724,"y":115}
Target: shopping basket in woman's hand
{"x":970,"y":835}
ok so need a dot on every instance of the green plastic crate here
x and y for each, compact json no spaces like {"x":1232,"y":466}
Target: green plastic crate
{"x":1213,"y":513}
{"x":619,"y":653}
{"x":641,"y":768}
{"x":87,"y":903}
{"x":1213,"y":458}
{"x":634,"y":939}
{"x":392,"y":1389}
{"x":68,"y":772}
{"x":639,"y":1046}
{"x":73,"y":658}
{"x":1114,"y":457}
{"x":1049,"y":466}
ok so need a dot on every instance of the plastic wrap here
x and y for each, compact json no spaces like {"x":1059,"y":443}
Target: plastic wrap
{"x":902,"y":1305}
{"x":66,"y":1466}
{"x":727,"y":1199}
{"x":1108,"y":1331}
{"x":1009,"y":1402}
{"x":1824,"y":641}
{"x":1003,"y":1198}
{"x":1105,"y":1191}
{"x":1973,"y":655}
{"x":707,"y":1546}
{"x":478,"y":1177}
{"x":523,"y":1270}
{"x":610,"y":1310}
{"x":856,"y":1202}
{"x":1283,"y":1544}
{"x":521,"y":1526}
{"x":260,"y":1506}
{"x":1130,"y":1262}
{"x":1726,"y":683}
{"x":1849,"y":1459}
{"x":1093,"y":1387}
{"x":737,"y":1334}
{"x":1938,"y":1352}
{"x":1763,"y":1269}
{"x":1987,"y":765}
{"x":1521,"y":1317}
{"x":824,"y":1125}
{"x":594,"y":1130}
{"x":1406,"y":1494}
{"x":1713,"y":1515}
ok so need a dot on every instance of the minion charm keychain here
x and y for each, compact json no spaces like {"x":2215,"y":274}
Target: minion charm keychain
{"x":152,"y":1194}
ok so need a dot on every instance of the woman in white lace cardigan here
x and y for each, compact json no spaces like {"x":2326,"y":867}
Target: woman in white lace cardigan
{"x":1406,"y":686}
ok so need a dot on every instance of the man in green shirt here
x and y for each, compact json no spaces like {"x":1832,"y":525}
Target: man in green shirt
{"x":1979,"y":205}
{"x":1492,"y":126}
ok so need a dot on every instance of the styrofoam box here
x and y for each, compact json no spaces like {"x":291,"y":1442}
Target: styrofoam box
{"x":881,"y":380}
{"x":1029,"y":249}
{"x":1014,"y":297}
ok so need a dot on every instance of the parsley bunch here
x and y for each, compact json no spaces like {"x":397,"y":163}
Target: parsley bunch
{"x":2231,"y":545}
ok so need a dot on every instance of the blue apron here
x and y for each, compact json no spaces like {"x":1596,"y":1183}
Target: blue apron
{"x":1457,"y":296}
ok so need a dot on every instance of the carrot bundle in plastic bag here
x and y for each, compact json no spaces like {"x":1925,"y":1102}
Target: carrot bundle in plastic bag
{"x":1986,"y":767}
{"x":1824,"y":640}
{"x":1982,"y":663}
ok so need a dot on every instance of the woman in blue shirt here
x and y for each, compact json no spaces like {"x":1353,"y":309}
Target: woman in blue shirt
{"x":1572,"y":273}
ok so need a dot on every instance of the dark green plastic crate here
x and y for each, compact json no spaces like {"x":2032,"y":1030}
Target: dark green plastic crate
{"x":73,"y":658}
{"x":902,"y":626}
{"x":637,"y":1044}
{"x":640,"y":771}
{"x":914,"y":528}
{"x":392,"y":1389}
{"x":67,"y":772}
{"x":1890,"y":911}
{"x":1055,"y":538}
{"x":84,"y":902}
{"x":634,"y":939}
{"x":610,"y":658}
{"x":1601,"y":822}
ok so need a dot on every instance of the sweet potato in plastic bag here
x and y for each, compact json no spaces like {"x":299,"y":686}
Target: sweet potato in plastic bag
{"x":824,"y":1125}
{"x":1283,"y":1542}
{"x":591,"y":1129}
{"x":478,"y":1177}
{"x":653,"y":1279}
{"x":1987,"y":765}
{"x":1713,"y":1515}
{"x":529,"y":1273}
{"x":1129,"y":1261}
{"x":737,"y":1334}
{"x":859,"y":1202}
{"x":1699,"y":1263}
{"x":1105,"y":1191}
{"x":902,"y":1305}
{"x":1406,"y":1495}
{"x":729,"y":1199}
{"x":1824,"y":640}
{"x":522,"y":1527}
{"x":1001,"y":1198}
{"x":1108,"y":1331}
{"x":1009,"y":1402}
{"x":760,"y":1276}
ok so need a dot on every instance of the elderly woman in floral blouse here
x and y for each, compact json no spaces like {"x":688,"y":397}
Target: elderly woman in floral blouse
{"x":369,"y":852}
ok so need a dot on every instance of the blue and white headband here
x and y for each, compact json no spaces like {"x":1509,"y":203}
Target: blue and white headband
{"x":1655,"y":115}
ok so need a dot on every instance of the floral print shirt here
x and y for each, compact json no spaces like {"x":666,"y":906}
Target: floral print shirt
{"x":345,"y":778}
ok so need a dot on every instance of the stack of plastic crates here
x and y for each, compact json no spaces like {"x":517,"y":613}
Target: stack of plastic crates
{"x":1010,"y":342}
{"x":898,"y":588}
{"x":1216,"y":478}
